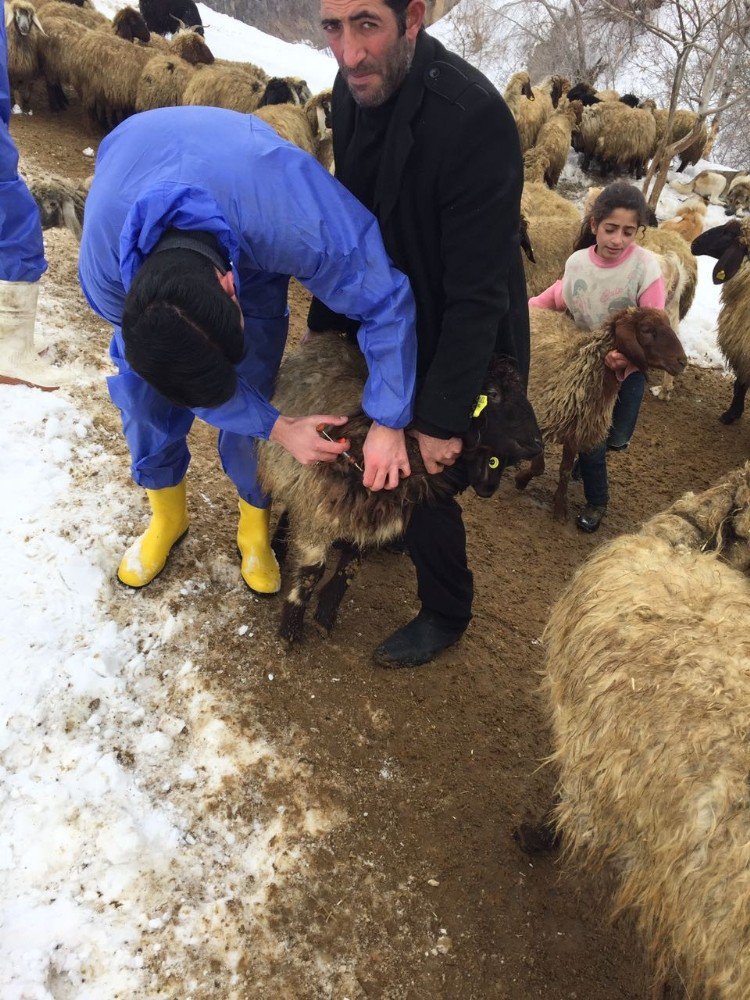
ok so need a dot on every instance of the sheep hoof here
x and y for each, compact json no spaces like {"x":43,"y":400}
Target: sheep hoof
{"x":325,"y":619}
{"x":522,"y":480}
{"x":291,"y":629}
{"x":728,"y":417}
{"x":560,"y":512}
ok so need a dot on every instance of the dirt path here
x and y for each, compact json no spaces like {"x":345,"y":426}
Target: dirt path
{"x":417,"y":889}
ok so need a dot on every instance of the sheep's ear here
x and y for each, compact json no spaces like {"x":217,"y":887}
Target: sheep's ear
{"x":729,"y":263}
{"x":35,"y":20}
{"x":625,"y":331}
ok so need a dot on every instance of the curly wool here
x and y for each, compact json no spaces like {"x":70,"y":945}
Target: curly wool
{"x":554,"y":141}
{"x":647,"y":667}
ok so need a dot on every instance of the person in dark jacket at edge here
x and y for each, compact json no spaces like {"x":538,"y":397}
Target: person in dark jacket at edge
{"x":427,"y":143}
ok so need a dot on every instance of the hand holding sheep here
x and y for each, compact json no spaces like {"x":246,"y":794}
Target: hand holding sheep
{"x":386,"y":461}
{"x":437,"y":453}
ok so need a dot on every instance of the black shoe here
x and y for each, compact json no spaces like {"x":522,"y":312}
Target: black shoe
{"x":418,"y":642}
{"x":591,"y":517}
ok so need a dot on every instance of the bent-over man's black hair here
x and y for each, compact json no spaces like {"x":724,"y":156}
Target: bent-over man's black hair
{"x":182,"y":332}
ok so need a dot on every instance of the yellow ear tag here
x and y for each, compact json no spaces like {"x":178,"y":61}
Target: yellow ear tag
{"x":494,"y":462}
{"x":481,"y":403}
{"x":720,"y":275}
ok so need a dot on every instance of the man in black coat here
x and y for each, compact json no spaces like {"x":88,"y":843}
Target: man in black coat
{"x":428,"y":145}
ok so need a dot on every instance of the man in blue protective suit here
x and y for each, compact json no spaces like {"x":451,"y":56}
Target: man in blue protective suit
{"x":22,"y":260}
{"x":196,"y":219}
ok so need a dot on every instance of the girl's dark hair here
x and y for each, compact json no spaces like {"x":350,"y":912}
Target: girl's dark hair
{"x":614,"y":196}
{"x":182,"y":332}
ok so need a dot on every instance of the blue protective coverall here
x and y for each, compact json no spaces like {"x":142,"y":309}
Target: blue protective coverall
{"x":276,"y":212}
{"x":21,"y":246}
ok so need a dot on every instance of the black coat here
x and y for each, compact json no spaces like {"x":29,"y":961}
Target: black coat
{"x":448,"y":201}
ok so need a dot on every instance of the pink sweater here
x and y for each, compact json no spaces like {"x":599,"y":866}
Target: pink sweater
{"x":653,"y":296}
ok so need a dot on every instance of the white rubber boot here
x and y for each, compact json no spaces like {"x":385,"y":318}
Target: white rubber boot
{"x":19,"y":362}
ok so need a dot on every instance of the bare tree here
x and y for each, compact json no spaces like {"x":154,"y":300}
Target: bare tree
{"x":701,"y":41}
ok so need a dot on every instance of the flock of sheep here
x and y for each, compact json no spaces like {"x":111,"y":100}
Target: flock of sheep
{"x":648,"y":649}
{"x":119,"y":67}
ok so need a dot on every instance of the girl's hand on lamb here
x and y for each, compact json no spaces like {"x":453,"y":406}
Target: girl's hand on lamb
{"x":438,"y":452}
{"x":299,"y":436}
{"x":386,"y":461}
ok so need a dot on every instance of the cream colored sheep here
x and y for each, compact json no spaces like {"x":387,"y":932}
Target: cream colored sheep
{"x":626,"y":137}
{"x":532,"y":114}
{"x":518,"y":87}
{"x":648,"y":685}
{"x":730,"y":245}
{"x":571,"y":389}
{"x":106,"y":70}
{"x":24,"y":33}
{"x":86,"y":16}
{"x":162,"y":83}
{"x":301,"y":126}
{"x":224,"y":88}
{"x":555,"y":137}
{"x":663,"y":242}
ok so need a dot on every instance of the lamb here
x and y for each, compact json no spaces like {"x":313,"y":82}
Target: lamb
{"x":730,"y":245}
{"x":327,"y":505}
{"x":24,"y":31}
{"x":554,"y":140}
{"x":574,"y":392}
{"x":648,"y":686}
{"x":518,"y":87}
{"x":689,"y":222}
{"x":224,"y":88}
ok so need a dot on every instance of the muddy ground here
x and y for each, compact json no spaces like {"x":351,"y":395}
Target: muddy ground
{"x":417,"y":890}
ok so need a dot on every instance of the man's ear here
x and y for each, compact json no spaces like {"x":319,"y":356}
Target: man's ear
{"x":226,"y":281}
{"x":415,"y":13}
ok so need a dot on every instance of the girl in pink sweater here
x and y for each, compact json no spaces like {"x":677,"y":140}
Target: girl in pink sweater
{"x":608,"y":272}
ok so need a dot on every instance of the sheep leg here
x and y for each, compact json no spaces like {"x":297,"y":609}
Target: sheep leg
{"x":737,"y":405}
{"x":535,"y":468}
{"x":56,"y":97}
{"x":560,"y":506}
{"x":312,"y":563}
{"x":280,"y":540}
{"x":331,"y":596}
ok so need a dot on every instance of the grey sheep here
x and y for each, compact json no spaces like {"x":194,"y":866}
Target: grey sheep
{"x":648,"y":687}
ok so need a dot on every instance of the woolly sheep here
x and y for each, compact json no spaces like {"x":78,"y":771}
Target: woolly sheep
{"x":571,"y":389}
{"x":255,"y":71}
{"x":24,"y":31}
{"x":554,"y":140}
{"x":129,"y":25}
{"x":326,"y":503}
{"x":662,"y":242}
{"x":285,"y":90}
{"x":648,"y":686}
{"x":682,"y":124}
{"x":224,"y":88}
{"x":297,"y":125}
{"x":86,"y":16}
{"x":162,"y":83}
{"x":608,"y":96}
{"x":676,"y":280}
{"x":584,"y":93}
{"x":106,"y":71}
{"x":730,"y":245}
{"x":192,"y":47}
{"x":518,"y":87}
{"x":55,"y":58}
{"x":534,"y":112}
{"x":553,"y":226}
{"x":318,"y":111}
{"x":626,"y":137}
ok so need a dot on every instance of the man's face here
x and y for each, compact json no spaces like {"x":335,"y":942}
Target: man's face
{"x":373,"y":54}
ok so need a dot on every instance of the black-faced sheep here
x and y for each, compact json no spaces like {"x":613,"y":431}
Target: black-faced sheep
{"x":730,"y":245}
{"x":648,"y":687}
{"x":285,"y":90}
{"x":165,"y":17}
{"x":327,"y":504}
{"x":129,"y":25}
{"x":24,"y":32}
{"x":584,"y":93}
{"x":572,"y":390}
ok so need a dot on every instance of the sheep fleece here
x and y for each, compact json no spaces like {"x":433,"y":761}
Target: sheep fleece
{"x":648,"y":675}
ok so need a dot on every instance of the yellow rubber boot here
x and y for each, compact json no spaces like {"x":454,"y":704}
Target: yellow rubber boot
{"x":260,"y":570}
{"x":147,"y":556}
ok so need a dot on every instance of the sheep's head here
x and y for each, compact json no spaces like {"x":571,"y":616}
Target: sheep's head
{"x":729,"y":244}
{"x":503,"y":428}
{"x":23,"y":16}
{"x":558,"y":86}
{"x":318,"y":111}
{"x":129,"y":25}
{"x":300,"y":88}
{"x":190,"y":46}
{"x":584,"y":93}
{"x":522,"y":80}
{"x":647,"y":340}
{"x":630,"y":99}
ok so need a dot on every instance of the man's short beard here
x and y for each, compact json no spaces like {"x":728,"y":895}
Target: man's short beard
{"x":393,"y":75}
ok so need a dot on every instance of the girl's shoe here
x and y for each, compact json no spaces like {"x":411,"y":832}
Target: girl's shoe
{"x":591,"y":517}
